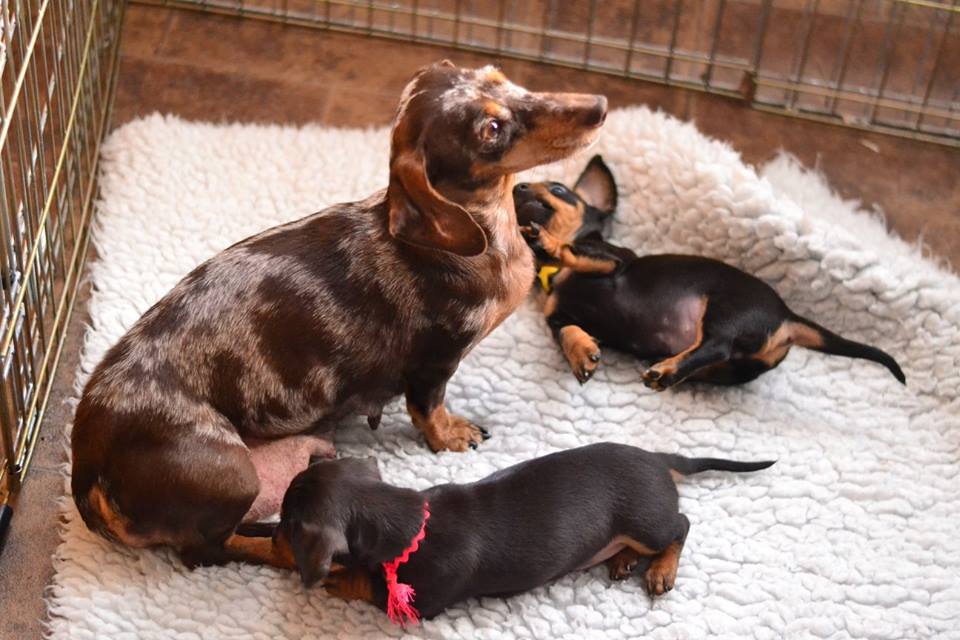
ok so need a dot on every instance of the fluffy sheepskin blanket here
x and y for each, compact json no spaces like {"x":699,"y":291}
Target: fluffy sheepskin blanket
{"x":852,"y":533}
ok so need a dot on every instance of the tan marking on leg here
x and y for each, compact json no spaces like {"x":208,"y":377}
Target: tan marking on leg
{"x":581,"y":351}
{"x":561,"y":277}
{"x":669,"y":366}
{"x":350,"y":584}
{"x":639,"y":547}
{"x":804,"y":335}
{"x":559,"y":250}
{"x":676,"y":475}
{"x":550,"y":305}
{"x":283,"y":550}
{"x":662,"y":573}
{"x":259,"y":551}
{"x":776,"y":347}
{"x":566,"y":219}
{"x":116,"y":526}
{"x":585,"y":264}
{"x":445,"y":432}
{"x":622,"y":564}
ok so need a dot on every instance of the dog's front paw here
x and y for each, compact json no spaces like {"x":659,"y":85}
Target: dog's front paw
{"x":581,"y":351}
{"x":458,"y":434}
{"x":661,"y":575}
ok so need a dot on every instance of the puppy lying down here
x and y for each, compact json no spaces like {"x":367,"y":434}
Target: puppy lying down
{"x":415,"y":553}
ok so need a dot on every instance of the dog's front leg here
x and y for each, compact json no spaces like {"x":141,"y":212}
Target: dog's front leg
{"x":425,"y":403}
{"x":590,"y":259}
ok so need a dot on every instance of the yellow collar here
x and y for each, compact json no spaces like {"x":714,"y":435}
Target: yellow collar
{"x":545,"y":276}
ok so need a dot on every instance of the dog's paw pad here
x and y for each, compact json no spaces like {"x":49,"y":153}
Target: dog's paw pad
{"x":654,"y":379}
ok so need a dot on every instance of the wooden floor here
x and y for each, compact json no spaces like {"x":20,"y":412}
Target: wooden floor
{"x":218,"y":68}
{"x":222,"y":69}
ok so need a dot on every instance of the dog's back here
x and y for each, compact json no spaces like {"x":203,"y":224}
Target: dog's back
{"x":537,"y":520}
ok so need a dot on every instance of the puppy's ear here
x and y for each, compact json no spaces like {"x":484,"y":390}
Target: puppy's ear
{"x":422,"y":217}
{"x":313,"y":546}
{"x":597,"y":187}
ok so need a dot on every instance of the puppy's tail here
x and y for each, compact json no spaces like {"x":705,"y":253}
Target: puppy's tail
{"x":809,"y":334}
{"x":688,"y":466}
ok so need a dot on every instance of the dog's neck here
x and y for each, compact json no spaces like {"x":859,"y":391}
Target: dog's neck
{"x":490,"y":203}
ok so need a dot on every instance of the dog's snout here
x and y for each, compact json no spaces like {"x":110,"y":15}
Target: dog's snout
{"x":597,"y":114}
{"x":522,"y":192}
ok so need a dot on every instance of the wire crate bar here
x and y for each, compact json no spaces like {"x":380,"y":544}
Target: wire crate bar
{"x":883,"y":65}
{"x":58,"y":63}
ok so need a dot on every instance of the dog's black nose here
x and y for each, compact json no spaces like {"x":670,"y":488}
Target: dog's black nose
{"x":598,"y":114}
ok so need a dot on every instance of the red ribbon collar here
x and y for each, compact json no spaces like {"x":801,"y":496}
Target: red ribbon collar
{"x":399,"y":595}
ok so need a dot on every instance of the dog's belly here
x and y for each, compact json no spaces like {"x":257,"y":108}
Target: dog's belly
{"x":676,"y":327}
{"x":277,"y":462}
{"x":645,"y":328}
{"x":613,"y":547}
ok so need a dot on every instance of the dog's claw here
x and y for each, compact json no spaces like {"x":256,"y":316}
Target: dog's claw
{"x":531,"y":231}
{"x":484,"y":433}
{"x":594,"y":357}
{"x":473,"y":445}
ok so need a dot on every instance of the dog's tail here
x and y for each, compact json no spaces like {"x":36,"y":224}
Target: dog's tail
{"x":688,"y":466}
{"x":809,"y":334}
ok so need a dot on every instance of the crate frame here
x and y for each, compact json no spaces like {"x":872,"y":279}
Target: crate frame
{"x":870,"y":106}
{"x":58,"y":69}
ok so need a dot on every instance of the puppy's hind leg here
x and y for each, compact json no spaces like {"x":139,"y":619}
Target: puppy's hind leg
{"x":706,"y":350}
{"x":625,"y":563}
{"x":661,"y":575}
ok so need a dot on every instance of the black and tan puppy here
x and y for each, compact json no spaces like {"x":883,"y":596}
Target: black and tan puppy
{"x":691,"y":317}
{"x":515,"y":530}
{"x":291,"y":330}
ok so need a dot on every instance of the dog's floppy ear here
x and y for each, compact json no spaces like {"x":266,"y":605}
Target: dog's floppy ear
{"x":313,"y":547}
{"x":422,"y":217}
{"x":597,"y":187}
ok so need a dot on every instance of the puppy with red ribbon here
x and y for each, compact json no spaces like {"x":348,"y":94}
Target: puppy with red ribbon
{"x":415,"y":553}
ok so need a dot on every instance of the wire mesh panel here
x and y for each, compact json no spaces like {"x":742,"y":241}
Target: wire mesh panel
{"x":890,"y":65}
{"x":57,"y":64}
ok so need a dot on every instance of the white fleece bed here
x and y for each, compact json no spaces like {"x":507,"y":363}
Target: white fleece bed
{"x":854,"y":533}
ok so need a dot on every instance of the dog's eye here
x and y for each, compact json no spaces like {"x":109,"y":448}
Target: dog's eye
{"x":557,"y":190}
{"x":491,"y":130}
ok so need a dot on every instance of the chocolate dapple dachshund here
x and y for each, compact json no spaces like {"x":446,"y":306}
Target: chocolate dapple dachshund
{"x":515,"y":530}
{"x":289,"y":331}
{"x":692,"y":317}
